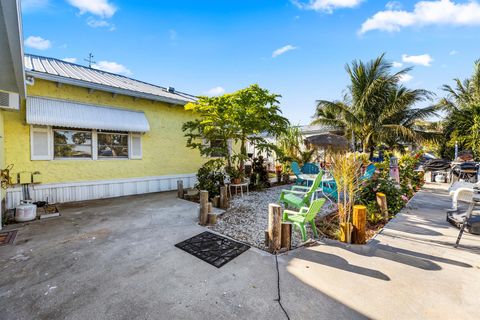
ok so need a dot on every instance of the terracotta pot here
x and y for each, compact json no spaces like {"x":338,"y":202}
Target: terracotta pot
{"x":237,"y":180}
{"x":346,"y":232}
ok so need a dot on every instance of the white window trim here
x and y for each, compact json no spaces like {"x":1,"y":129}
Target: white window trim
{"x":49,"y":132}
{"x":131,"y":156}
{"x":95,"y":157}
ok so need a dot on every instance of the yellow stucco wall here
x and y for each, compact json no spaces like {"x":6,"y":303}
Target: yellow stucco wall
{"x":164,"y":151}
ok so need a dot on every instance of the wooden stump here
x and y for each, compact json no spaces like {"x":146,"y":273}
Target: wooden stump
{"x":267,"y":242}
{"x":212,"y":218}
{"x":286,"y":242}
{"x":210,"y":207}
{"x":382,"y":204}
{"x":203,"y":217}
{"x":359,"y":220}
{"x":223,"y":197}
{"x":274,"y":227}
{"x":180,"y":189}
{"x":279,"y":177}
{"x":216,"y":201}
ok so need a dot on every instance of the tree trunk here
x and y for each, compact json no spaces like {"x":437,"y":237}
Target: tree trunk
{"x":243,"y":152}
{"x":372,"y":149}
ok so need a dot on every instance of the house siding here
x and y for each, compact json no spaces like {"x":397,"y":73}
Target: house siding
{"x":163,"y":147}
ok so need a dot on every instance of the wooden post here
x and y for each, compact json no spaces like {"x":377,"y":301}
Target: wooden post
{"x":359,"y":220}
{"x":274,"y":227}
{"x":212,"y":218}
{"x":210,"y":207}
{"x":203,"y":217}
{"x":180,"y":189}
{"x":223,"y":198}
{"x":382,"y":204}
{"x":279,"y":177}
{"x":216,"y":201}
{"x":267,"y":242}
{"x":286,"y":241}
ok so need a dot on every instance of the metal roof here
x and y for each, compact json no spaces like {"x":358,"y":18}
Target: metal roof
{"x":59,"y":113}
{"x":69,"y":73}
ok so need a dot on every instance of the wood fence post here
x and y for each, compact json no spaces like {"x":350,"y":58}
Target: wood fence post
{"x":203,"y":217}
{"x":274,"y":227}
{"x":382,"y":204}
{"x":359,"y":220}
{"x":180,"y":189}
{"x":223,"y":197}
{"x":286,"y":241}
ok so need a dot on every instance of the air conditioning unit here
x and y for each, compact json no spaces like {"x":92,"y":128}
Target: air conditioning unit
{"x":9,"y":100}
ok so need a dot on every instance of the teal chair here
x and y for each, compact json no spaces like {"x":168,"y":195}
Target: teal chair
{"x":298,"y":196}
{"x":304,"y":216}
{"x":298,"y":173}
{"x":310,"y":168}
{"x":369,"y":172}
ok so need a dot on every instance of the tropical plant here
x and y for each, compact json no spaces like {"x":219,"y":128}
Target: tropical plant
{"x":346,"y":173}
{"x":291,"y":147}
{"x":246,"y":115}
{"x":462,"y":123}
{"x":377,"y":108}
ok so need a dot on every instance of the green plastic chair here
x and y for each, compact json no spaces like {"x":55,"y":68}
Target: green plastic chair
{"x":305,"y":216}
{"x":299,"y":199}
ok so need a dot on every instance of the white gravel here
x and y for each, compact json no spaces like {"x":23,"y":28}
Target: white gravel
{"x":247,"y":218}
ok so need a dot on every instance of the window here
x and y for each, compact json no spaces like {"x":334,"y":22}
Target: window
{"x":217,"y":148}
{"x":112,"y":145}
{"x":72,"y":144}
{"x":47,"y":143}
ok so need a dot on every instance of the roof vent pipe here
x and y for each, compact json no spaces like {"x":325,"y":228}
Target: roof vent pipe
{"x":171,"y":89}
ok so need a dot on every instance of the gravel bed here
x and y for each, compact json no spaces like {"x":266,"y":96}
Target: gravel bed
{"x":247,"y":218}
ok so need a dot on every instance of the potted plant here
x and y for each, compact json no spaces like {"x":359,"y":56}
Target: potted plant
{"x":236,"y":175}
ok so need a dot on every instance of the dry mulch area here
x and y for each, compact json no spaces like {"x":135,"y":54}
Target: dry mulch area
{"x":247,"y":218}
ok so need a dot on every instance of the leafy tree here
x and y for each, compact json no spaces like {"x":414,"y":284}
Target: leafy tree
{"x":462,"y":123}
{"x":245,"y":115}
{"x":377,"y":108}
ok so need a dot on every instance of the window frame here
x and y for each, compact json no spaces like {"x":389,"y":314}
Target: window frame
{"x":114,"y":158}
{"x":52,"y":144}
{"x":94,"y":137}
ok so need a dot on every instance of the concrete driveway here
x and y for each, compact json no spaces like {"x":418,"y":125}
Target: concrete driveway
{"x":115,"y":259}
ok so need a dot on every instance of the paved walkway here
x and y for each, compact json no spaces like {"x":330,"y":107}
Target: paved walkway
{"x":115,"y":259}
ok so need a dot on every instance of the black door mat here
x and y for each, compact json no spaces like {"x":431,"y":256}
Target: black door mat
{"x":212,"y":248}
{"x":7,"y":237}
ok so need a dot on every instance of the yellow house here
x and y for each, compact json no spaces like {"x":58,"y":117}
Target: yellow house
{"x":85,"y":134}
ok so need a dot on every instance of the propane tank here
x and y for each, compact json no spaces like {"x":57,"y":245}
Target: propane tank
{"x":26,"y":211}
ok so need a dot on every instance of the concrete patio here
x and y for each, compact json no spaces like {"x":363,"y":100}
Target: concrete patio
{"x":115,"y":259}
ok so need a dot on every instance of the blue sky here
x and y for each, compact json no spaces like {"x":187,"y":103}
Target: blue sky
{"x":294,"y":48}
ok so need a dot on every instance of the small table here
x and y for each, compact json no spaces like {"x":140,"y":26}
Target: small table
{"x":236,"y":186}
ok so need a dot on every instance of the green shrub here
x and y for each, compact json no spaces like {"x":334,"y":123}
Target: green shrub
{"x":211,"y":177}
{"x":368,"y":195}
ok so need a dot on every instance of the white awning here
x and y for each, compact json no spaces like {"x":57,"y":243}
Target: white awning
{"x":59,"y":113}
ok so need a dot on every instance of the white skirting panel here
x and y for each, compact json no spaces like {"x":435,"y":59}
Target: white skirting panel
{"x":89,"y":190}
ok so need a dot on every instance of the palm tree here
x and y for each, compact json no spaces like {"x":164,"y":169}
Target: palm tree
{"x":376,"y":108}
{"x":462,"y":104}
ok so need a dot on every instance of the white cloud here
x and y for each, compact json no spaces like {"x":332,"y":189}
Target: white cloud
{"x":38,"y":43}
{"x":94,"y":23}
{"x":282,"y":50}
{"x":440,"y":12}
{"x":405,"y":78}
{"x":423,"y":59}
{"x":396,"y":64}
{"x":453,"y":52}
{"x":71,"y":60}
{"x":101,"y":8}
{"x":326,"y":5}
{"x":34,"y":4}
{"x":112,"y":67}
{"x":216,"y":91}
